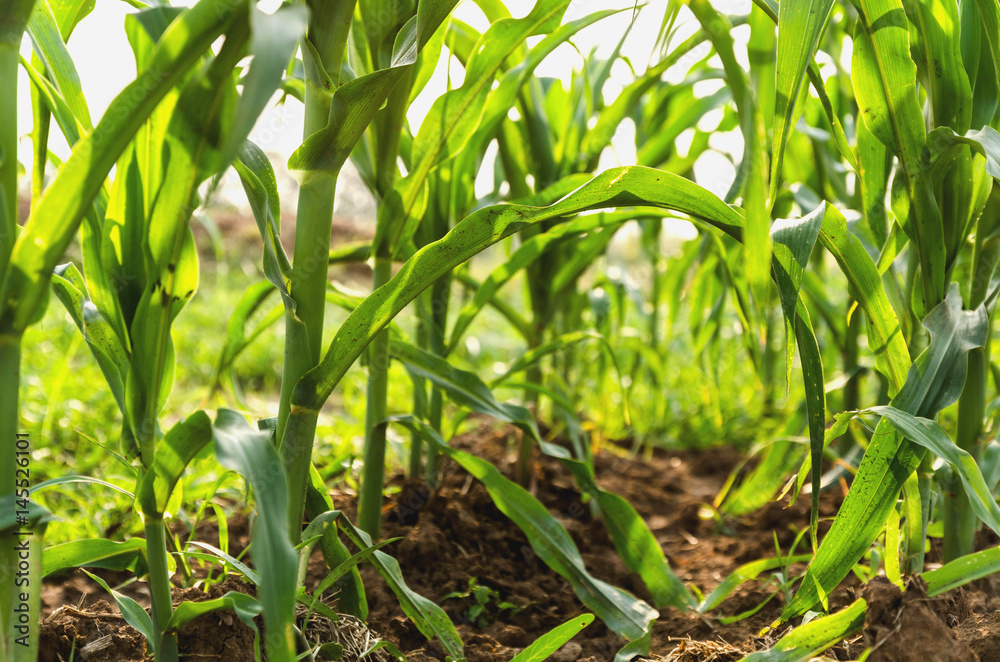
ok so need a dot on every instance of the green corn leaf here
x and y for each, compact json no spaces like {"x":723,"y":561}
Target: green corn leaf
{"x":357,"y":251}
{"x":429,"y":57}
{"x":989,"y":16}
{"x":622,"y":613}
{"x":885,"y":339}
{"x":122,"y":235}
{"x":55,"y":218}
{"x":813,"y":382}
{"x":618,"y":187}
{"x":49,"y":102}
{"x":389,"y":647}
{"x":837,"y":429}
{"x":937,"y":376}
{"x":985,"y":141}
{"x":636,"y":648}
{"x":104,"y":342}
{"x":541,"y":648}
{"x":744,"y":573}
{"x":465,"y":388}
{"x":145,"y":28}
{"x":173,"y":454}
{"x":260,"y":185}
{"x":884,"y":79}
{"x":770,"y":8}
{"x":978,"y":61}
{"x":874,"y":163}
{"x":931,"y":435}
{"x":350,"y":590}
{"x":800,"y":26}
{"x":793,"y":242}
{"x":753,"y":170}
{"x":934,"y":381}
{"x":939,"y":61}
{"x":315,"y":606}
{"x":227,"y":559}
{"x":48,"y":44}
{"x":429,"y":618}
{"x":526,"y":254}
{"x":68,"y":123}
{"x":69,"y":13}
{"x":132,"y":612}
{"x":634,"y":542}
{"x":355,"y":103}
{"x":250,"y":453}
{"x":962,"y":571}
{"x":245,"y":607}
{"x":96,"y":553}
{"x":762,"y":54}
{"x":806,"y":641}
{"x":273,"y":41}
{"x":349,"y":564}
{"x":352,"y":599}
{"x":455,"y":116}
{"x":65,"y":480}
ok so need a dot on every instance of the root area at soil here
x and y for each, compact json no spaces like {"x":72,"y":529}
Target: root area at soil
{"x":459,"y":550}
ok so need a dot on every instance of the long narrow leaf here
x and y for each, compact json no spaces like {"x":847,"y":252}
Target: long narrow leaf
{"x":55,"y":218}
{"x":622,"y":613}
{"x":935,"y":380}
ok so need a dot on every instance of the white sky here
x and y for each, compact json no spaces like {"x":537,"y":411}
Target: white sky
{"x":105,"y":62}
{"x":106,"y":65}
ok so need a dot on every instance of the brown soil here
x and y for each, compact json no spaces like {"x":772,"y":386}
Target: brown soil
{"x":98,"y":632}
{"x":907,"y":626}
{"x":455,"y":534}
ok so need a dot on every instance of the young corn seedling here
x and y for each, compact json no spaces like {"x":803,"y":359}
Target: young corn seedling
{"x":336,"y":117}
{"x":905,"y":56}
{"x":140,"y":267}
{"x":31,"y":253}
{"x":450,"y":183}
{"x":924,"y":79}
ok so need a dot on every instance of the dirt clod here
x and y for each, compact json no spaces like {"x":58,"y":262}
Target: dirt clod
{"x":97,"y":633}
{"x":907,"y":626}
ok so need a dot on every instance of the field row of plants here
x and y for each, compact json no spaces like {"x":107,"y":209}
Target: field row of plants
{"x":826,"y":315}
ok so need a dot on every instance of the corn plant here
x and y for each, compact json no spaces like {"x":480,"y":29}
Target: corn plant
{"x":912,"y":127}
{"x":152,"y":258}
{"x":940,"y":197}
{"x":621,"y":187}
{"x":187,"y":121}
